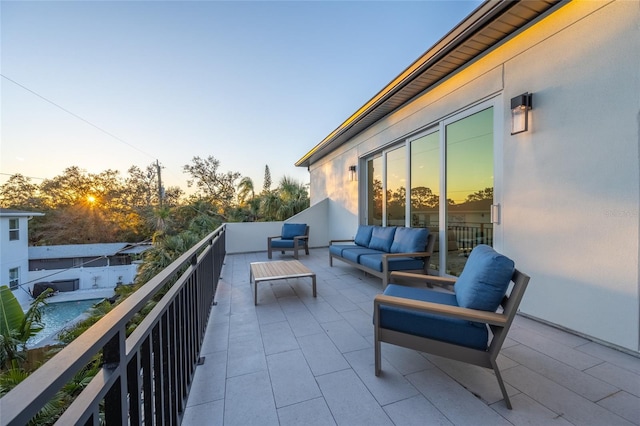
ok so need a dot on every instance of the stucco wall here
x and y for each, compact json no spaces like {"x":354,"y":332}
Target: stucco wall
{"x":570,"y":187}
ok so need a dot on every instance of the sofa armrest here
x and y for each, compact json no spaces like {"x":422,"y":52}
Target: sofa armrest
{"x":492,"y":318}
{"x":417,"y":254}
{"x":445,"y":282}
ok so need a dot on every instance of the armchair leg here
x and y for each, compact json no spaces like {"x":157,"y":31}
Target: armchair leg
{"x":269,"y":252}
{"x":378,"y":358}
{"x":503,"y":389}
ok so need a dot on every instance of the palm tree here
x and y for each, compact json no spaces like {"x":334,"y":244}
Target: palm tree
{"x":294,"y":198}
{"x":246,"y":190}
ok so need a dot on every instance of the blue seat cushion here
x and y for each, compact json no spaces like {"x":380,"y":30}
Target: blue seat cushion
{"x":363,"y":236}
{"x":484,"y":279}
{"x":460,"y":332}
{"x":290,"y":230}
{"x":382,"y":238}
{"x":337,"y":249}
{"x":374,"y":261}
{"x":409,"y":240}
{"x":287,"y":243}
{"x":355,"y":253}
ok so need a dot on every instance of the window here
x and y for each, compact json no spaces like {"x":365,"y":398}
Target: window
{"x":14,"y":278}
{"x":448,"y":171}
{"x":14,"y":229}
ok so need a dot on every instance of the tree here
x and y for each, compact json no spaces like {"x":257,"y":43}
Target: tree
{"x":246,"y":190}
{"x":19,"y":193}
{"x":483,"y":194}
{"x":218,"y":188}
{"x":266,"y":186}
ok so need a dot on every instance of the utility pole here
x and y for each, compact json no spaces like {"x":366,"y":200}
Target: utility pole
{"x":160,"y":191}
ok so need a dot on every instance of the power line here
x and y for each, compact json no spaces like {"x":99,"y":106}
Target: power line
{"x":76,"y":116}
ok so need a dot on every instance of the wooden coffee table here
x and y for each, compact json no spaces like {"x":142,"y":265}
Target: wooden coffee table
{"x":278,"y":270}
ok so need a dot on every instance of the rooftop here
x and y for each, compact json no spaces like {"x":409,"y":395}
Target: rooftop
{"x":294,"y":359}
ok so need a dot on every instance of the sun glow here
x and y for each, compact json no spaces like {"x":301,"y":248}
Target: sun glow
{"x":91,"y":199}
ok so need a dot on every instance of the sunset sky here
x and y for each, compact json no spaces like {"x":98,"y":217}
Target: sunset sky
{"x":108,"y":85}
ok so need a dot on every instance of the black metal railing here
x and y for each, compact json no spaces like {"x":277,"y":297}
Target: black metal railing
{"x":144,"y":378}
{"x":469,"y":235}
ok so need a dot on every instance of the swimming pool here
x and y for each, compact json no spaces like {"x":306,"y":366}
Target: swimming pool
{"x":56,"y":316}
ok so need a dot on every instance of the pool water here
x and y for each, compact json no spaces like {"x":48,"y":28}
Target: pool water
{"x":56,"y":316}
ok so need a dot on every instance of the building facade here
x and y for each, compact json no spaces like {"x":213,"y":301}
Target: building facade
{"x":440,"y":147}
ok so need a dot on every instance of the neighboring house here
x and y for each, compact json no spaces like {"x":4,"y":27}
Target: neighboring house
{"x":14,"y":255}
{"x":85,"y":266}
{"x":561,"y":198}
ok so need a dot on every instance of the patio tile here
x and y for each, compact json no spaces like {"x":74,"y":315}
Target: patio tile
{"x":349,"y":400}
{"x":612,"y":356}
{"x":210,"y":414}
{"x":459,"y":405}
{"x":623,"y":404}
{"x":291,"y":378}
{"x":580,"y":382}
{"x":209,"y":382}
{"x":389,"y":387}
{"x":303,"y":323}
{"x":415,"y":411}
{"x":249,"y":401}
{"x":527,"y":411}
{"x":406,"y":361}
{"x":344,"y":336}
{"x":573,"y":407}
{"x":323,"y":312}
{"x":554,"y":349}
{"x":619,"y":377}
{"x":278,"y":337}
{"x":321,"y":354}
{"x":309,"y":413}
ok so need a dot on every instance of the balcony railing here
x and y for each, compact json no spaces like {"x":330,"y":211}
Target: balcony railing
{"x":144,"y":377}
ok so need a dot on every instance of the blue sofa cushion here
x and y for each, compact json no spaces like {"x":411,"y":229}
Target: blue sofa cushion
{"x":290,"y":230}
{"x":409,"y":240}
{"x":382,"y":238}
{"x":363,"y":236}
{"x":460,"y":332}
{"x":337,"y":249}
{"x":374,"y":261}
{"x":484,"y":279}
{"x":355,"y":253}
{"x":287,"y":243}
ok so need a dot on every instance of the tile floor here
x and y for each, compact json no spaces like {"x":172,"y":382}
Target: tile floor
{"x":299,"y":360}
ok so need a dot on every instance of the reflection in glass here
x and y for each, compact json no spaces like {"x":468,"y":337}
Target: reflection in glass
{"x":396,"y":186}
{"x":374,"y":191}
{"x":425,"y":186}
{"x":469,"y":177}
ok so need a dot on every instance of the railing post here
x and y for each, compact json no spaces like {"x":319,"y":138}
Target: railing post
{"x":115,"y":401}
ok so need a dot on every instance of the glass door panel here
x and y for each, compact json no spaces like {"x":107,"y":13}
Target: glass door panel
{"x":425,"y":187}
{"x":396,"y":173}
{"x":469,"y":186}
{"x":374,"y":191}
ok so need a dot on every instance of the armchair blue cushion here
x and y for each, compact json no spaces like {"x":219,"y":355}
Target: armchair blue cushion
{"x":363,"y":236}
{"x":287,"y":243}
{"x":290,"y":230}
{"x":382,"y":238}
{"x":484,"y":279}
{"x":452,"y":330}
{"x":409,"y":240}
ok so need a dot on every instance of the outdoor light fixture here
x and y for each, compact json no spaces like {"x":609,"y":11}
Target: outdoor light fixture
{"x":352,"y":173}
{"x":520,"y":106}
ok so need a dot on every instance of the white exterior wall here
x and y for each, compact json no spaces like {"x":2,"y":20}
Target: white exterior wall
{"x":570,"y":187}
{"x":89,"y":278}
{"x":14,"y":254}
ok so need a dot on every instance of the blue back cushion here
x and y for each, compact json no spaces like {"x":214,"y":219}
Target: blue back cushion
{"x":290,"y":230}
{"x":484,"y":279}
{"x":363,"y":236}
{"x":409,"y":240}
{"x":382,"y":238}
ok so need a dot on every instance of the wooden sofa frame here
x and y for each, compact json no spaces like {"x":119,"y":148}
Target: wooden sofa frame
{"x":499,"y":323}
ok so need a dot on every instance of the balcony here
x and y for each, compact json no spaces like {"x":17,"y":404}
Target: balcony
{"x":296,"y":360}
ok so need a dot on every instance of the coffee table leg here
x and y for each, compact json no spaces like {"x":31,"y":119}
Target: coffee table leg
{"x":255,"y":292}
{"x":313,"y":280}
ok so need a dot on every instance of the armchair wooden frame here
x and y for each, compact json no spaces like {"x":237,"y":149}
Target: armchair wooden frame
{"x":499,"y":323}
{"x":300,"y":242}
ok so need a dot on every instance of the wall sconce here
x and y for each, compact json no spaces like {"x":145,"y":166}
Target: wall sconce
{"x":353,"y":176}
{"x":520,"y":106}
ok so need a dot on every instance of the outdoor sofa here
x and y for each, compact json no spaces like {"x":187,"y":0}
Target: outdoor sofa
{"x":379,"y":250}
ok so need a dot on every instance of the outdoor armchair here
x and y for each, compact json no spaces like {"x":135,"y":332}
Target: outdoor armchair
{"x":294,"y":237}
{"x":456,"y":324}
